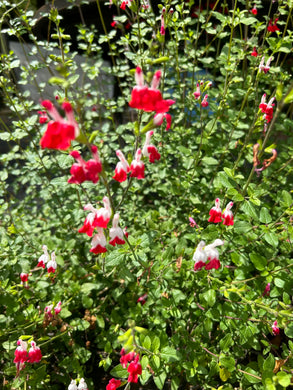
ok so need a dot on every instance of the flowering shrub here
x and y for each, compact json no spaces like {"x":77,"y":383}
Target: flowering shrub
{"x":194,"y":107}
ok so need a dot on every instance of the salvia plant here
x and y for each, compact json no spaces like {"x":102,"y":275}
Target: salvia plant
{"x":146,"y":195}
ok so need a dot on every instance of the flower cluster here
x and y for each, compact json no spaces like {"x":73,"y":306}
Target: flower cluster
{"x":45,"y":259}
{"x":207,"y":256}
{"x":60,"y":132}
{"x":22,"y":356}
{"x":134,"y":368}
{"x":99,"y":219}
{"x":81,"y":386}
{"x":217,"y":216}
{"x":267,"y":109}
{"x":137,"y":166}
{"x":85,"y":170}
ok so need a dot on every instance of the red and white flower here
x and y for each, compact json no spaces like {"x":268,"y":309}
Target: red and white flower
{"x":60,"y":132}
{"x":82,"y":385}
{"x":215,"y":212}
{"x":99,"y":242}
{"x":205,"y":102}
{"x":162,"y":29}
{"x":122,"y":168}
{"x":213,"y":255}
{"x":149,"y":150}
{"x":275,"y":328}
{"x":227,"y":215}
{"x":159,"y":118}
{"x":265,"y":67}
{"x":44,"y":258}
{"x":197,"y":93}
{"x":52,"y":265}
{"x":97,"y":218}
{"x":85,"y":170}
{"x":24,"y":278}
{"x":34,"y":354}
{"x":200,"y":257}
{"x":20,"y":354}
{"x":72,"y":385}
{"x":137,"y":166}
{"x":116,"y":233}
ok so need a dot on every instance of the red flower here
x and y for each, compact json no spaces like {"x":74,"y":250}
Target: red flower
{"x":134,"y":370}
{"x":272,"y":27}
{"x":126,"y":357}
{"x":148,"y":99}
{"x":275,"y":328}
{"x":205,"y":102}
{"x":215,"y":212}
{"x":137,"y":166}
{"x":43,"y":117}
{"x":254,"y":53}
{"x":142,"y":299}
{"x":60,"y":132}
{"x":267,"y":290}
{"x":23,"y":277}
{"x":113,"y":384}
{"x":82,"y":171}
{"x":254,"y":10}
{"x":162,"y":29}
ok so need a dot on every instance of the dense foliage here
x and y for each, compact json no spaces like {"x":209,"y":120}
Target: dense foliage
{"x":228,"y":327}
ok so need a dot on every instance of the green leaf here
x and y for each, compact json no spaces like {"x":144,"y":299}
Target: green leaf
{"x":249,"y":210}
{"x":119,"y":372}
{"x":258,"y":261}
{"x":289,"y":98}
{"x":160,"y":380}
{"x":272,"y":239}
{"x":147,"y":342}
{"x":170,"y":354}
{"x":265,"y":215}
{"x":251,"y":378}
{"x":269,"y":363}
{"x":226,"y":342}
{"x":156,"y":362}
{"x":155,"y":344}
{"x":289,"y":331}
{"x":227,"y":362}
{"x":210,"y":297}
{"x":284,"y":379}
